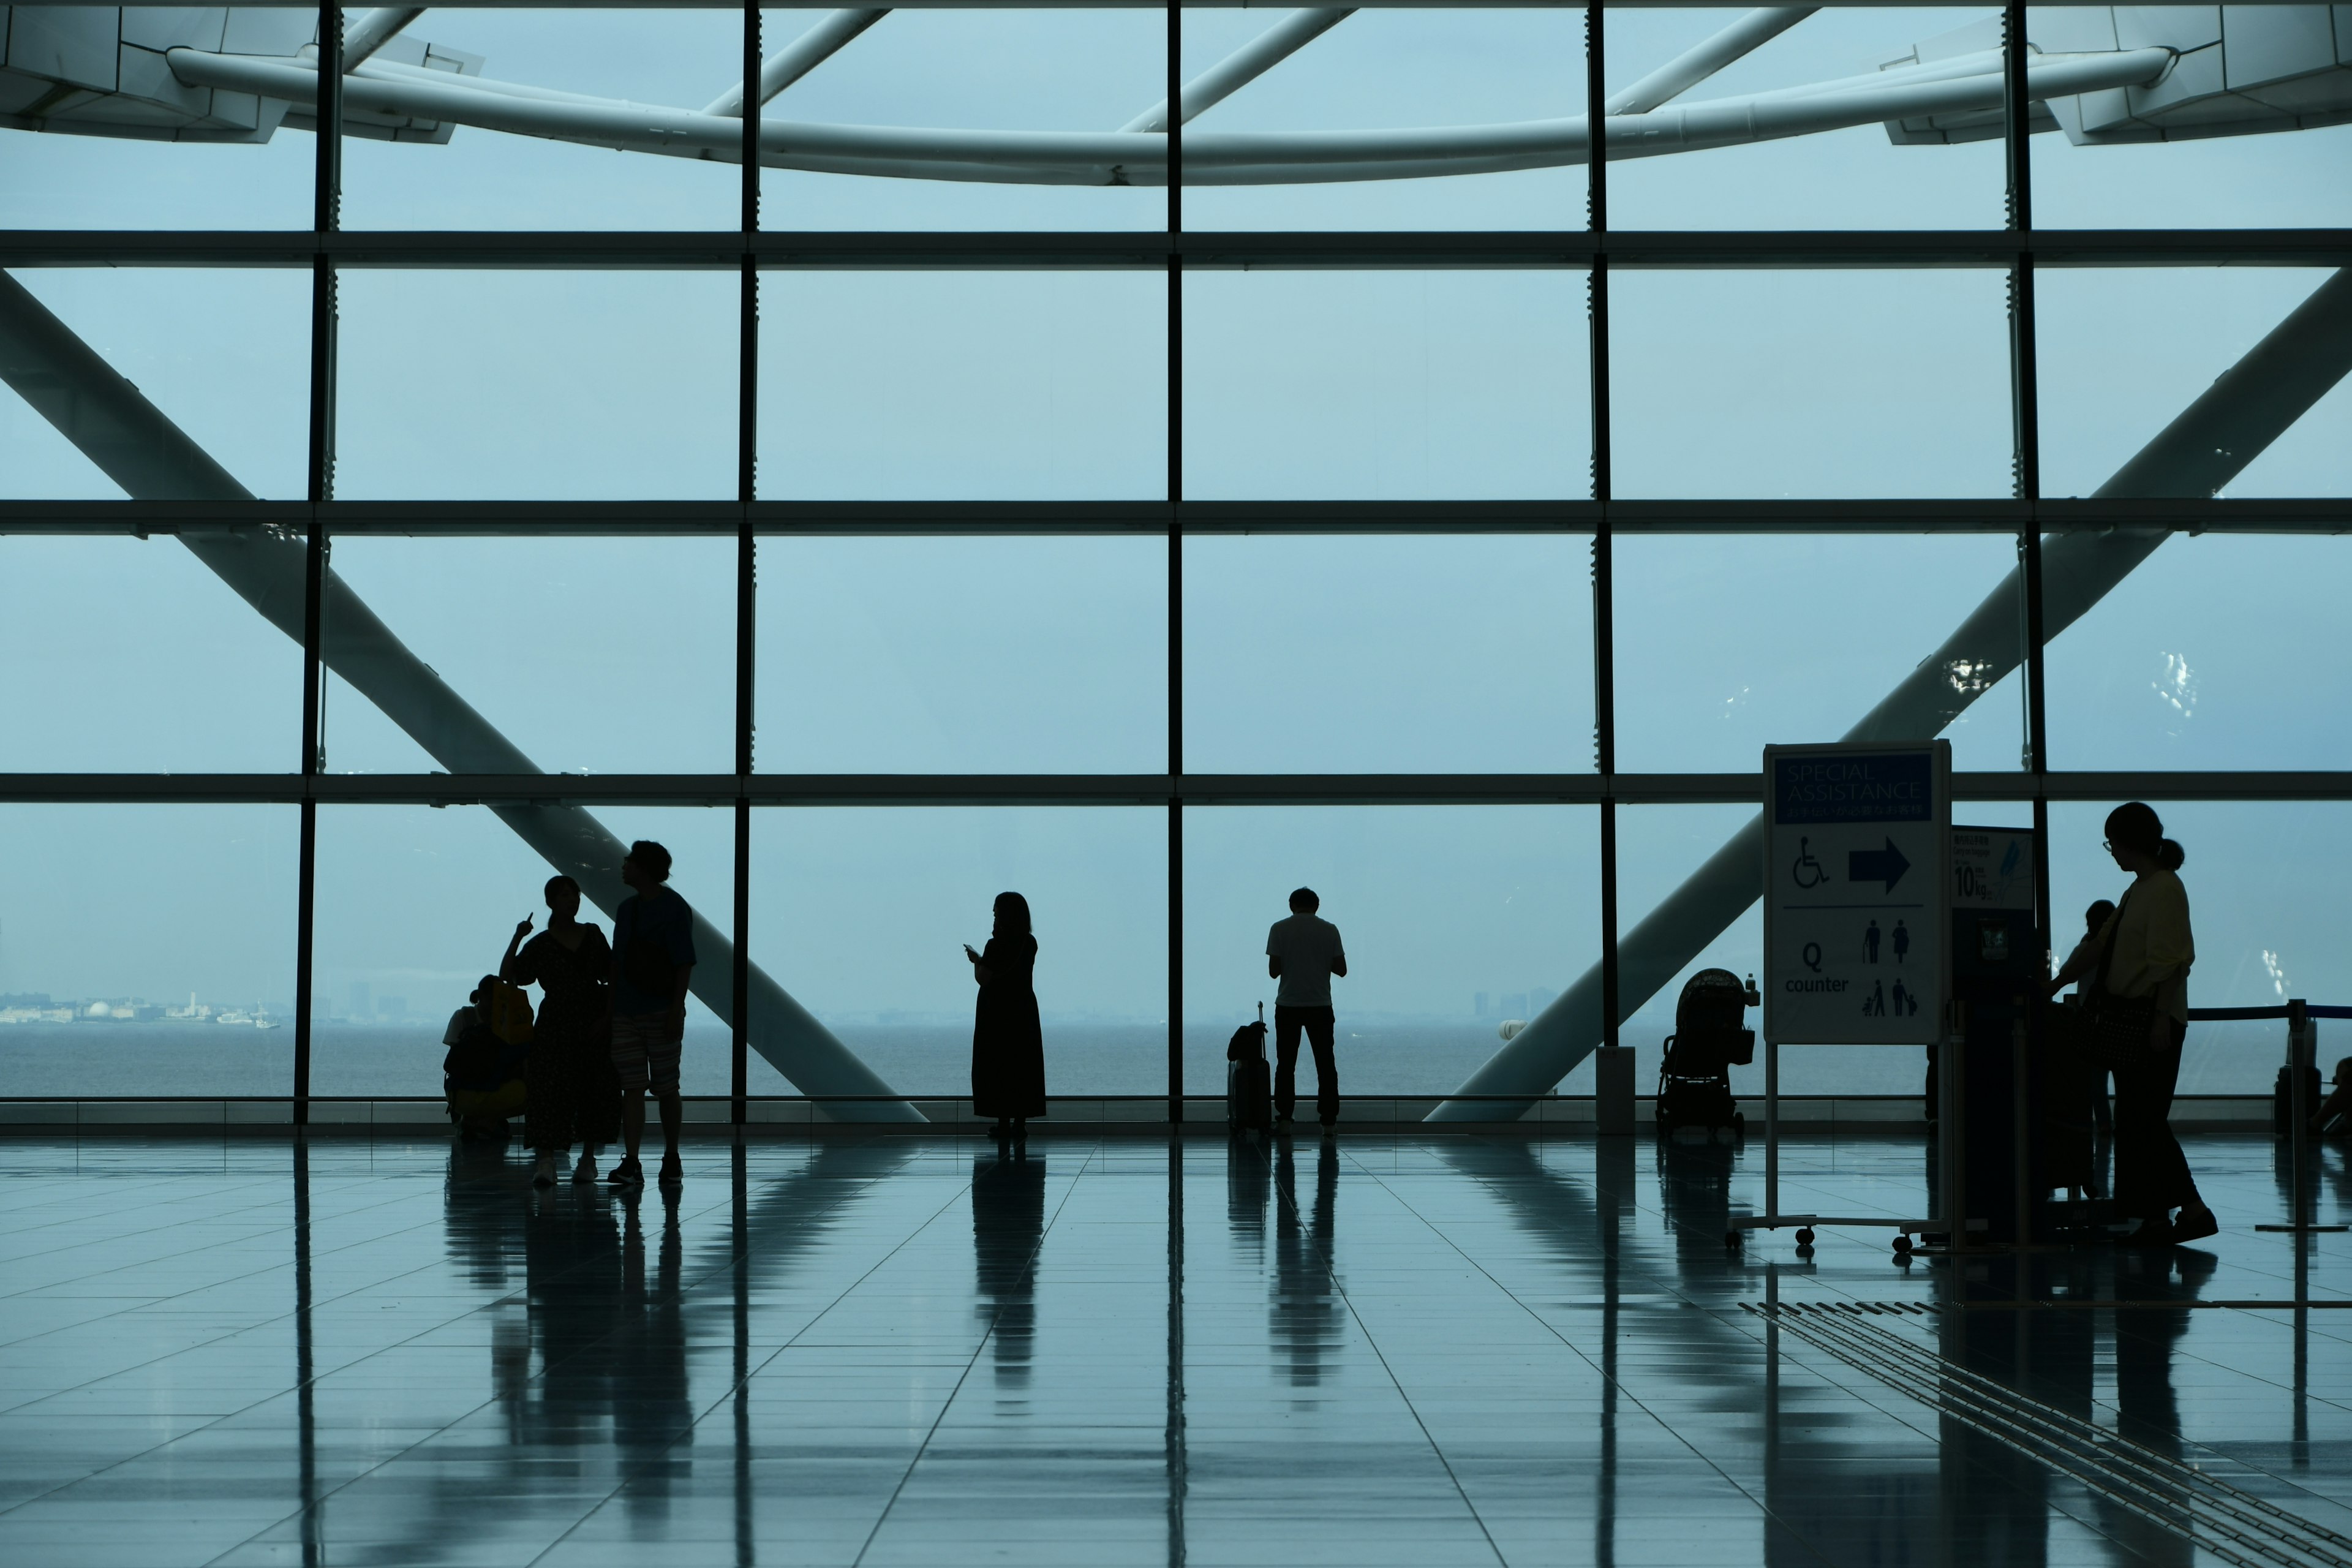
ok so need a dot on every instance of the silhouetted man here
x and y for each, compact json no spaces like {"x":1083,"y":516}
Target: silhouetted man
{"x":653,"y":953}
{"x":1304,"y":952}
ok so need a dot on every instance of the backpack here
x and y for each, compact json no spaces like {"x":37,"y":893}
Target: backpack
{"x":511,"y":1013}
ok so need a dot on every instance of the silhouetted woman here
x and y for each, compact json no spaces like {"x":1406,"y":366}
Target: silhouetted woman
{"x":1008,"y":1048}
{"x":575,"y":1095}
{"x":2147,"y":950}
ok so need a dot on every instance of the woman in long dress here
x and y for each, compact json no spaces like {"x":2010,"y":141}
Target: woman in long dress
{"x":576,"y":1096}
{"x":1008,"y":1046}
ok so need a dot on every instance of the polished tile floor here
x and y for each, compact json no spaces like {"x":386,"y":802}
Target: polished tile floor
{"x":1373,"y":1350}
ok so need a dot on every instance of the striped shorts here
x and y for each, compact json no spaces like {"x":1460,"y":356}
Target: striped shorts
{"x":644,"y":1052}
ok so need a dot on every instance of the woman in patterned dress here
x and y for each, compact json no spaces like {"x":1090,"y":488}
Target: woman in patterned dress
{"x":575,"y":1095}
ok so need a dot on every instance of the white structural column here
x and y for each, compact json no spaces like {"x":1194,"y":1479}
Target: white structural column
{"x":138,"y":447}
{"x":1245,"y":65}
{"x":1695,"y":65}
{"x":2211,"y":442}
{"x":799,"y":58}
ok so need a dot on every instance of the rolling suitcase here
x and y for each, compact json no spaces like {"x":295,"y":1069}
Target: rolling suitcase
{"x":1249,"y":1083}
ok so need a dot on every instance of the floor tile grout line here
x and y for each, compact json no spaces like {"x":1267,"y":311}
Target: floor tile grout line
{"x":724,"y":1395}
{"x":309,"y":1505}
{"x":1436,"y":1449}
{"x":164,"y":1258}
{"x":152,"y":1303}
{"x":277,"y":1394}
{"x":979,"y":1349}
{"x":1762,"y":1507}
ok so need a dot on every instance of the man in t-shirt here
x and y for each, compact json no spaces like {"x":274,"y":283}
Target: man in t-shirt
{"x":1304,"y":952}
{"x":653,"y":959}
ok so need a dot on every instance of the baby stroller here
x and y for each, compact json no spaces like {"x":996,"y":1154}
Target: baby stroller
{"x":1694,"y":1078}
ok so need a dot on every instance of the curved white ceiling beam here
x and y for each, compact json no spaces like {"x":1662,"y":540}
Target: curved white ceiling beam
{"x":1116,"y":158}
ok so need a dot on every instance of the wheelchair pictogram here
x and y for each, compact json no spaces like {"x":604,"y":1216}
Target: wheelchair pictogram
{"x":1808,"y":871}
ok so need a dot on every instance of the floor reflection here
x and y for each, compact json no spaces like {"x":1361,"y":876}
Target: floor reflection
{"x":1308,"y":1314}
{"x":1551,"y":1358}
{"x":1008,"y":1220}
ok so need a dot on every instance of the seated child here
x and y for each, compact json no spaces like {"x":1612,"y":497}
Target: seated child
{"x":481,"y":1073}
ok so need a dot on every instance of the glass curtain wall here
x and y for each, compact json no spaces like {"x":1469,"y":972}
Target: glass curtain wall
{"x":886,"y":534}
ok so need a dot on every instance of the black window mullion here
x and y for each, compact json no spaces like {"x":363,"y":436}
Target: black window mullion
{"x":319,"y":488}
{"x":747,"y":581}
{"x":2025,"y":415}
{"x":1604,"y":635}
{"x":1175,"y":484}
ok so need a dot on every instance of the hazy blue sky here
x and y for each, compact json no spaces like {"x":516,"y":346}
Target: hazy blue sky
{"x":1049,"y":655}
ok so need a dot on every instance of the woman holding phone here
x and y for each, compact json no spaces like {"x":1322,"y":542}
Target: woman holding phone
{"x":1008,"y":1046}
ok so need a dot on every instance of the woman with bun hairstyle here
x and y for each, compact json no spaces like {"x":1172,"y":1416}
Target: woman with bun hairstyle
{"x":2147,"y":948}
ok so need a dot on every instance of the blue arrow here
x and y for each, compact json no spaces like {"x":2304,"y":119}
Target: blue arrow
{"x":1871,"y":864}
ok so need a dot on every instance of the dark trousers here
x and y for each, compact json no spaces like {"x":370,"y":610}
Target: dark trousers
{"x":2151,"y":1172}
{"x":1319,"y":1023}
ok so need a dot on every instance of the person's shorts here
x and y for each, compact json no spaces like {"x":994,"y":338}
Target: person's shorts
{"x":645,"y":1053}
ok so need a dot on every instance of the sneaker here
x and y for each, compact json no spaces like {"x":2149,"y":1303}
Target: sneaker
{"x":544,"y":1174}
{"x":2195,"y":1223}
{"x":585,"y":1170}
{"x":627,"y":1173}
{"x":672,"y":1172}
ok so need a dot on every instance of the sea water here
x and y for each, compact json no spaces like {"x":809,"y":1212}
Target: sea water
{"x":103,"y":1058}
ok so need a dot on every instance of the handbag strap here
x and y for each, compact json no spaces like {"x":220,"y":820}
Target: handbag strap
{"x":2107,"y":953}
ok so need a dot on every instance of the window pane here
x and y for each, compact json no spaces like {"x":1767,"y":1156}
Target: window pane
{"x":1385,"y":385}
{"x":1388,"y":654}
{"x":2109,"y":385}
{"x":481,"y":178}
{"x":576,"y":386}
{"x":963,"y":656}
{"x":1394,"y":71}
{"x":1943,"y":172}
{"x":149,"y":949}
{"x":591,"y":655}
{"x":417,"y":904}
{"x":1828,"y":384}
{"x":132,"y":656}
{"x":1726,"y":645}
{"x":957,"y":69}
{"x":2265,"y":895}
{"x":863,"y":915}
{"x":971,"y":385}
{"x":1454,"y":919}
{"x":2243,"y":73}
{"x":2217,"y":651}
{"x":222,"y":353}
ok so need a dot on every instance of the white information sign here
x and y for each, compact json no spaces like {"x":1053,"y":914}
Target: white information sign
{"x":1857,"y":864}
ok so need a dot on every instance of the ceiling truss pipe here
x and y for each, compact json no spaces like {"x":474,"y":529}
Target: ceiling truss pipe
{"x":2205,"y":446}
{"x":799,"y":58}
{"x":1695,"y":65}
{"x":1245,"y":65}
{"x":140,"y":449}
{"x":374,"y":30}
